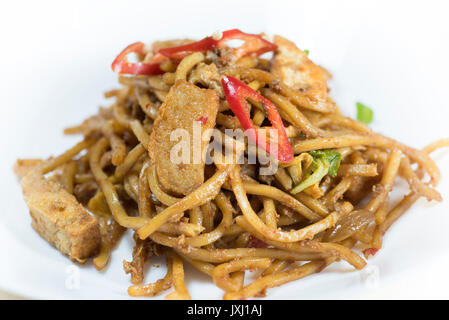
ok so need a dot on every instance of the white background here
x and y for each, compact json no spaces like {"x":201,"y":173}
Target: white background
{"x":391,"y":55}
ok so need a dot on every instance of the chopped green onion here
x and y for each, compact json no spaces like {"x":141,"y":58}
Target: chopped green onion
{"x":324,"y":162}
{"x":315,"y":177}
{"x":330,"y":156}
{"x":306,"y":52}
{"x":364,"y":113}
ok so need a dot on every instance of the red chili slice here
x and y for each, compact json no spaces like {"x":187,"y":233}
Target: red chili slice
{"x":122,"y":66}
{"x":236,"y":94}
{"x":179,"y":52}
{"x":253,"y":44}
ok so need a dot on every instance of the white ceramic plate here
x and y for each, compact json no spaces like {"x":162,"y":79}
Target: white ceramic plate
{"x":391,"y":56}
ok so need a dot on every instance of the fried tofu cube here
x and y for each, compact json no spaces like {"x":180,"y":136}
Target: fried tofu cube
{"x":59,"y":218}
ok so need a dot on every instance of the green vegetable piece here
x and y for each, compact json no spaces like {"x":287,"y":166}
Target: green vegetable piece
{"x":332,"y":157}
{"x":364,"y":113}
{"x":325,"y":162}
{"x":315,"y":177}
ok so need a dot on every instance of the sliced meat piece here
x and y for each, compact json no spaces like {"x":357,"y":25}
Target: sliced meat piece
{"x":297,"y":71}
{"x":59,"y":218}
{"x":185,"y":104}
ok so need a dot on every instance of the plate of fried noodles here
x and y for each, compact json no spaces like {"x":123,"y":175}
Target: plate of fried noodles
{"x":230,"y":165}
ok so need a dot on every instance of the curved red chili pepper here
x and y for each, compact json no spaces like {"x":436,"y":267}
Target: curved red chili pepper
{"x":179,"y":52}
{"x":122,"y":66}
{"x":253,"y":44}
{"x":236,"y":93}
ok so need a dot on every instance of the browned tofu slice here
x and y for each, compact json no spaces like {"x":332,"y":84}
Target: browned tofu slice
{"x":185,"y":104}
{"x":297,"y":71}
{"x":59,"y":218}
